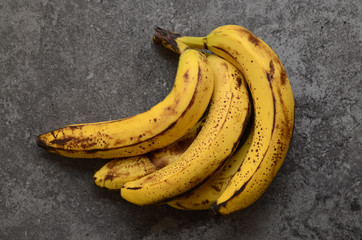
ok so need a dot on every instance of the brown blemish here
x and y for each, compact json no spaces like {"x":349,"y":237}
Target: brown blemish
{"x":271,"y":68}
{"x":239,"y":80}
{"x":121,"y":141}
{"x":113,"y":163}
{"x":253,"y":39}
{"x":181,"y":146}
{"x":113,"y":175}
{"x":225,"y":65}
{"x":109,"y":177}
{"x":199,"y":74}
{"x":90,"y":151}
{"x":180,"y":206}
{"x":270,"y":73}
{"x":61,"y":141}
{"x":76,"y":126}
{"x":205,"y":43}
{"x":202,"y":203}
{"x":242,"y":31}
{"x":283,"y":76}
{"x":53,"y":134}
{"x":216,"y":188}
{"x":186,"y":76}
{"x":158,"y":162}
{"x":285,"y":110}
{"x":148,"y":178}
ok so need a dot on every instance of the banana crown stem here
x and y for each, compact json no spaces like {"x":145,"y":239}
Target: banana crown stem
{"x":169,"y":40}
{"x":194,"y":42}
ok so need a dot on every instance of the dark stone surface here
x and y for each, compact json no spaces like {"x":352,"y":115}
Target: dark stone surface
{"x":65,"y":62}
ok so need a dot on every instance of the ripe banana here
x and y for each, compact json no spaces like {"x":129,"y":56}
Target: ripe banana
{"x":121,"y":170}
{"x":213,"y":146}
{"x":207,"y":194}
{"x":273,"y":111}
{"x":158,"y":127}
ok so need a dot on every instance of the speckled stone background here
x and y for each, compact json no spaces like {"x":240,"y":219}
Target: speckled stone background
{"x":68,"y":61}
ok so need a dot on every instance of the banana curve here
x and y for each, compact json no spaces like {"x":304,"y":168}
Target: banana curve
{"x":195,"y":73}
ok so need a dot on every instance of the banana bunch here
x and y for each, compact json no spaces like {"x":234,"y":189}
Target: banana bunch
{"x":215,"y":142}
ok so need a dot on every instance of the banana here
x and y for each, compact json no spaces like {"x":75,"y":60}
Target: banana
{"x":121,"y":170}
{"x":212,"y":147}
{"x":273,"y":111}
{"x":158,"y":127}
{"x":207,"y":194}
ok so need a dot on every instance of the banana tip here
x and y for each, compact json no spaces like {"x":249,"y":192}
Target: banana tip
{"x":40,"y":142}
{"x":215,"y":209}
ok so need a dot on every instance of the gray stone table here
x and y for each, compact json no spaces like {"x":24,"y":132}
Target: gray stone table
{"x":66,"y":61}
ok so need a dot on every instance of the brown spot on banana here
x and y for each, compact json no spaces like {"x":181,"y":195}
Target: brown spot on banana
{"x":251,"y":37}
{"x":180,"y":206}
{"x":225,"y":66}
{"x":270,"y":73}
{"x":239,"y":80}
{"x":288,"y":123}
{"x":216,"y":188}
{"x":112,"y":175}
{"x":111,"y":164}
{"x":205,"y":42}
{"x":79,"y":126}
{"x":199,"y":75}
{"x":186,"y":76}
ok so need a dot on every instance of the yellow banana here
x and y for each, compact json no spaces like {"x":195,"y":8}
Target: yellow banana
{"x":213,"y":146}
{"x":207,"y":194}
{"x":158,"y":127}
{"x":273,"y":108}
{"x":121,"y":170}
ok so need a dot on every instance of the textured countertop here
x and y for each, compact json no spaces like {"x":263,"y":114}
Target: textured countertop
{"x":65,"y":62}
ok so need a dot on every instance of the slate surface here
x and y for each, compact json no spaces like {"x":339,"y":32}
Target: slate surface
{"x":65,"y":62}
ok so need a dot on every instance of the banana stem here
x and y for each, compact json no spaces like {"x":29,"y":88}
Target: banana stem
{"x":194,"y":42}
{"x":169,"y":40}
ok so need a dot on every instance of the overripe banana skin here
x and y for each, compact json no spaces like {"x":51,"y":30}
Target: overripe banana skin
{"x":158,"y":127}
{"x":207,"y":194}
{"x":213,"y":146}
{"x":273,"y":108}
{"x":121,"y":170}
